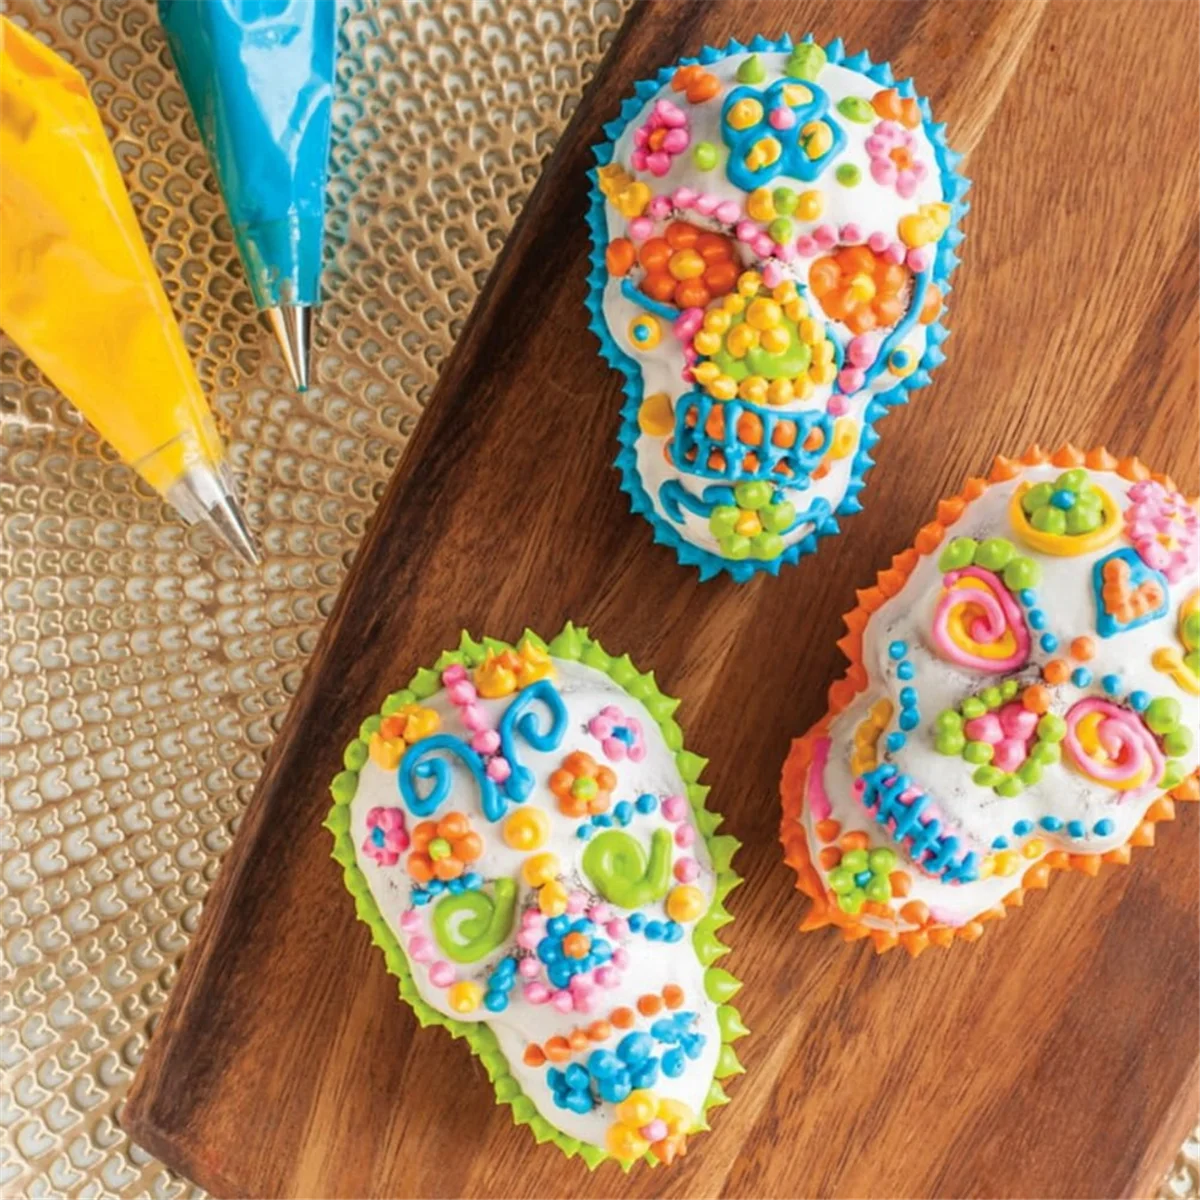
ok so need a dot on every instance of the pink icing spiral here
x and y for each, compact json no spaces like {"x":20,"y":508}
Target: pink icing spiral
{"x":1131,"y":748}
{"x":1000,"y":615}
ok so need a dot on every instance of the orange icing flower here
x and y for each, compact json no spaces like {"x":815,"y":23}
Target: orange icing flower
{"x":442,"y":849}
{"x":860,"y":288}
{"x":582,"y":785}
{"x":504,"y":673}
{"x":687,"y":266}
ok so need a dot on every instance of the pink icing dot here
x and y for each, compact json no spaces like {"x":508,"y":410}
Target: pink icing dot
{"x":984,"y":729}
{"x":528,"y":968}
{"x":837,"y":405}
{"x":764,"y":245}
{"x":684,"y":197}
{"x":420,"y":949}
{"x":825,"y":236}
{"x":486,"y":741}
{"x":920,"y":259}
{"x":658,"y":1128}
{"x":618,"y":927}
{"x":584,"y":1002}
{"x":536,"y":993}
{"x":441,"y":974}
{"x":462,"y":693}
{"x":671,"y":115}
{"x":895,"y":253}
{"x":660,"y":207}
{"x":772,"y":274}
{"x":878,"y":242}
{"x":782,"y":118}
{"x":746,"y":231}
{"x":787,"y":253}
{"x":453,"y":674}
{"x":563,"y":1001}
{"x":686,"y":869}
{"x":577,"y":902}
{"x":607,"y":977}
{"x":620,"y":957}
{"x":658,"y":163}
{"x":528,"y":939}
{"x":474,"y":718}
{"x":706,"y":203}
{"x":674,"y":807}
{"x":851,"y":233}
{"x":685,"y":835}
{"x":850,"y":379}
{"x":531,"y":918}
{"x":498,"y":769}
{"x":728,"y":211}
{"x":640,"y":228}
{"x":806,"y":246}
{"x":676,"y":142}
{"x":862,"y":350}
{"x":599,"y":913}
{"x":410,"y":921}
{"x":859,"y":786}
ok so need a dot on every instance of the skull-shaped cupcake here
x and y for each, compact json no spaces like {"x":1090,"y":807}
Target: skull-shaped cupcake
{"x":773,"y":233}
{"x":1024,"y":695}
{"x":525,"y":835}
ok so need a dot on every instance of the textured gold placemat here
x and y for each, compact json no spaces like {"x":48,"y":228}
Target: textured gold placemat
{"x":142,"y":674}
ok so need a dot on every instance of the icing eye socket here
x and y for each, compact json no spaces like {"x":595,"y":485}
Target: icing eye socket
{"x":645,"y":332}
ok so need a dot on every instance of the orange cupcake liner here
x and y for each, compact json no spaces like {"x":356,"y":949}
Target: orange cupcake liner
{"x":822,"y":911}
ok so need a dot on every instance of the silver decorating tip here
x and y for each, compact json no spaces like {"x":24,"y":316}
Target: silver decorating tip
{"x":204,"y":496}
{"x":292,"y":325}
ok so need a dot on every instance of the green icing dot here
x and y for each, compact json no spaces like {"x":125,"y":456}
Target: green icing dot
{"x":766,"y":546}
{"x":1177,"y":742}
{"x":1030,"y":773}
{"x":472,"y":924}
{"x":753,"y":495}
{"x":781,"y":229}
{"x":1081,"y":519}
{"x":1051,"y":728}
{"x":973,"y":707}
{"x":1049,"y":520}
{"x":978,"y":752}
{"x":785,"y":201}
{"x":776,"y":518}
{"x":988,"y":776}
{"x":948,"y":721}
{"x":1162,"y":714}
{"x":960,"y":552}
{"x":752,"y":70}
{"x":723,"y":520}
{"x":616,"y":864}
{"x":1022,"y":573}
{"x":994,"y":554}
{"x":1072,"y":481}
{"x":848,"y":175}
{"x":949,"y":743}
{"x":705,"y":156}
{"x":806,"y":61}
{"x":1037,"y":497}
{"x":855,"y":108}
{"x":1009,"y":786}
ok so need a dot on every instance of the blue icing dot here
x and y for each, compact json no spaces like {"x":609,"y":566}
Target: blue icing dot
{"x":1037,"y":619}
{"x":576,"y":1076}
{"x":673,"y":1063}
{"x":495,"y":1001}
{"x":578,"y":1102}
{"x":1111,"y":684}
{"x":646,"y":803}
{"x":420,"y":899}
{"x":1103,"y":828}
{"x":654,"y":930}
{"x":908,"y":697}
{"x":377,"y":836}
{"x":636,"y":921}
{"x":623,"y":811}
{"x":895,"y":741}
{"x":634,"y":1047}
{"x":909,"y":719}
{"x":898,"y":650}
{"x":602,"y":821}
{"x":456,"y":887}
{"x":614,"y":1090}
{"x":1050,"y":824}
{"x":584,"y":832}
{"x":1049,"y":643}
{"x":905,"y":670}
{"x":1021,"y":828}
{"x":1081,"y":677}
{"x":645,"y":1075}
{"x":1139,"y":700}
{"x":603,"y":1064}
{"x":557,"y":926}
{"x":1063,"y":499}
{"x":1028,"y":597}
{"x":1000,"y":843}
{"x":673,"y":932}
{"x":1076,"y":829}
{"x":663,"y":1030}
{"x":472,"y":881}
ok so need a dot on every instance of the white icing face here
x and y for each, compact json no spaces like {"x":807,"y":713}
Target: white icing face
{"x":1032,"y":689}
{"x":767,"y":314}
{"x":536,"y":857}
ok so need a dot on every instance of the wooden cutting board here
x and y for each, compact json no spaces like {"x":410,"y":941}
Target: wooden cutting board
{"x":1058,"y":1056}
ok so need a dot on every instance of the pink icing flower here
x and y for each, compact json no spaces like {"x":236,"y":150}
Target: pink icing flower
{"x":663,"y":137}
{"x":1165,"y":530}
{"x":620,"y":736}
{"x":387,"y":836}
{"x":891,"y":148}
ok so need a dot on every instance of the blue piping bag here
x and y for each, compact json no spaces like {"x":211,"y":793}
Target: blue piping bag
{"x":259,"y":78}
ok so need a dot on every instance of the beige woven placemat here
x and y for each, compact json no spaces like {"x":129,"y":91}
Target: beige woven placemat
{"x":142,"y":675}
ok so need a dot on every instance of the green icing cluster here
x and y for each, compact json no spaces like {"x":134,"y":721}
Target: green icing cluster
{"x":861,"y":876}
{"x":1069,"y":506}
{"x":575,"y":645}
{"x":753,"y":527}
{"x":997,"y":555}
{"x":1163,"y":716}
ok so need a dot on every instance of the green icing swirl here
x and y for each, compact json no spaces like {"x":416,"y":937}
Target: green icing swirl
{"x":616,"y":864}
{"x":487,"y":924}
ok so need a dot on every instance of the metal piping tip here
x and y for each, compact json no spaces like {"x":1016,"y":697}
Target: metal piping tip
{"x":292,"y":325}
{"x":226,"y":519}
{"x":204,"y":495}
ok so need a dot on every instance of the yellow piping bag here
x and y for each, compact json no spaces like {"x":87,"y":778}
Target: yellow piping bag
{"x":80,"y":295}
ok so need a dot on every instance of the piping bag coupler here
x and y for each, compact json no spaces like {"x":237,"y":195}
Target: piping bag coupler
{"x":259,"y":78}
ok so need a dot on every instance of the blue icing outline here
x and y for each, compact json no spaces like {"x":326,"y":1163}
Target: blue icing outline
{"x":954,"y":188}
{"x":793,"y":160}
{"x":1106,"y":624}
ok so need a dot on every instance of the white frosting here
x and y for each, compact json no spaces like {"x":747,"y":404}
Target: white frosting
{"x":872,"y":206}
{"x":652,"y":966}
{"x":976,"y":814}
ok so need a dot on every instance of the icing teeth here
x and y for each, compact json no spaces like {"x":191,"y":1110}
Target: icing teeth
{"x":772,"y":243}
{"x":530,"y":853}
{"x":1013,"y":707}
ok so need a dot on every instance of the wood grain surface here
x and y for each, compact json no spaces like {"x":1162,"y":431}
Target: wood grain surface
{"x":1059,"y":1056}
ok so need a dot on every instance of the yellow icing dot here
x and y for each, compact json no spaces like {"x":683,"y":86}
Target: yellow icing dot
{"x":686,"y":903}
{"x":723,"y":387}
{"x":780,"y":391}
{"x":845,"y":432}
{"x":386,"y":752}
{"x":1034,"y":849}
{"x":527,"y":828}
{"x":817,"y":139}
{"x":655,"y":416}
{"x":810,"y":205}
{"x":744,"y":113}
{"x":465,"y":996}
{"x":539,"y":869}
{"x":552,"y":899}
{"x":763,"y":314}
{"x":760,"y":205}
